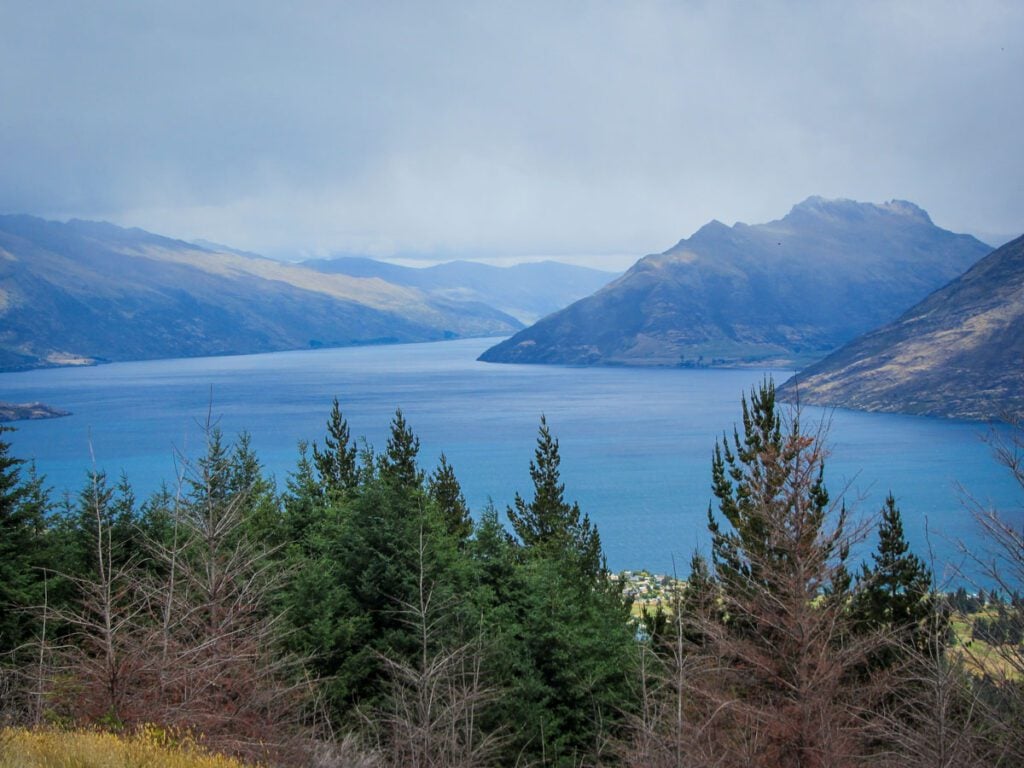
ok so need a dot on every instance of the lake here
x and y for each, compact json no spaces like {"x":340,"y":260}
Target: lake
{"x":635,"y":443}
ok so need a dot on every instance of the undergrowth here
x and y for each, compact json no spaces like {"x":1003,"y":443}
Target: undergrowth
{"x":148,"y":748}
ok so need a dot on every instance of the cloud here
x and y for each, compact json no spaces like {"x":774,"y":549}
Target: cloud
{"x":502,"y":129}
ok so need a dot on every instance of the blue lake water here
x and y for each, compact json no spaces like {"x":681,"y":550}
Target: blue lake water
{"x":635,"y":443}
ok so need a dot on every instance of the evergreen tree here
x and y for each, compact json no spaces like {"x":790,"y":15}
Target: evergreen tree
{"x":569,"y":644}
{"x":303,"y":502}
{"x":894,"y":592}
{"x":261,"y":515}
{"x":398,"y":463}
{"x":337,"y":464}
{"x":211,"y":482}
{"x":22,"y":506}
{"x":548,"y":525}
{"x":99,"y":504}
{"x":777,"y":648}
{"x":446,"y":493}
{"x":325,"y":623}
{"x":367,"y":556}
{"x":761,"y":485}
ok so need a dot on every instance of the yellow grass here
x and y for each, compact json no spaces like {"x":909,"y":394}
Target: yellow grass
{"x":149,"y":748}
{"x":979,"y":657}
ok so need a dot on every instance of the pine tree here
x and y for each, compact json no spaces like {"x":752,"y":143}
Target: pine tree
{"x":762,"y":487}
{"x":302,"y":503}
{"x":779,"y":686}
{"x":548,"y":525}
{"x":210,"y":480}
{"x":894,"y":593}
{"x":337,"y":464}
{"x":22,"y":506}
{"x":398,"y":464}
{"x":570,"y":643}
{"x":446,"y":493}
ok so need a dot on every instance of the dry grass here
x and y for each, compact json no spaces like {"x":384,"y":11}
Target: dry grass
{"x":149,"y":748}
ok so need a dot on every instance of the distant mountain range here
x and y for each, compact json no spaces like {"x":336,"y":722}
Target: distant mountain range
{"x":525,"y":291}
{"x":82,"y":292}
{"x":783,"y":293}
{"x":958,"y":354}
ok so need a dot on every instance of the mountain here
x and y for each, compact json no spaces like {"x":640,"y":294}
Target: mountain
{"x":958,"y":354}
{"x":525,"y":291}
{"x":778,"y":293}
{"x":82,"y":292}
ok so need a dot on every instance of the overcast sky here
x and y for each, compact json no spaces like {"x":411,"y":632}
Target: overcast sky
{"x":592,"y":130}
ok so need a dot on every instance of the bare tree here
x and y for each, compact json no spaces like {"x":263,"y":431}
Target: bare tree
{"x":101,"y":662}
{"x":182,"y":634}
{"x":998,"y":680}
{"x":217,"y":658}
{"x":432,"y":719}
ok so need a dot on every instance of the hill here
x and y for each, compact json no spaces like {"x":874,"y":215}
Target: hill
{"x":780,"y":293}
{"x":525,"y":291}
{"x":957,"y":354}
{"x":82,"y":292}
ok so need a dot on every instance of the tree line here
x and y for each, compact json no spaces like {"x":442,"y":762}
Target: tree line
{"x":360,"y":615}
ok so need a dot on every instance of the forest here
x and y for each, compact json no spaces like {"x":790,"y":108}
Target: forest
{"x":360,"y":615}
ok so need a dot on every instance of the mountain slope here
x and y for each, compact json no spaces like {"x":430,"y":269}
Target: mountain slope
{"x":785,"y":291}
{"x":958,"y":354}
{"x":84,"y":291}
{"x":525,"y":291}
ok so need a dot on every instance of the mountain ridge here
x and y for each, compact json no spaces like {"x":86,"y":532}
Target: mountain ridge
{"x":526,"y":291}
{"x":79,"y":292}
{"x":781,"y":293}
{"x":959,"y":353}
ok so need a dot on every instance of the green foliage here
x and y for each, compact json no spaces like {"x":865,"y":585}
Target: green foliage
{"x":98,"y":504}
{"x":567,"y":642}
{"x":386,"y":588}
{"x":895,"y":592}
{"x":336,"y":465}
{"x":446,"y":493}
{"x":22,"y":506}
{"x":397,"y":465}
{"x":548,"y":526}
{"x":766,"y":483}
{"x":358,"y":557}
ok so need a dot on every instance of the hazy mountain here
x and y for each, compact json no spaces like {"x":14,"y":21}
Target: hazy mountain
{"x":958,"y":354}
{"x":81,"y":291}
{"x":787,"y":291}
{"x":525,"y":291}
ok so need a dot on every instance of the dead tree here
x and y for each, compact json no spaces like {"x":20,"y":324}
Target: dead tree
{"x":998,"y":680}
{"x":218,"y":665}
{"x":103,"y":659}
{"x":432,"y":719}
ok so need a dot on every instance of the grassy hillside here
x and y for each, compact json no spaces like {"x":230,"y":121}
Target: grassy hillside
{"x":959,"y":353}
{"x":82,"y":292}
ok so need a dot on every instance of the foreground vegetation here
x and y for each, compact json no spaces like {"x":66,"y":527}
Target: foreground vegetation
{"x":359,"y":616}
{"x":149,"y":748}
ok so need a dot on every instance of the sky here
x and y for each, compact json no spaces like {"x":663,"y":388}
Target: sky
{"x":592,"y":132}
